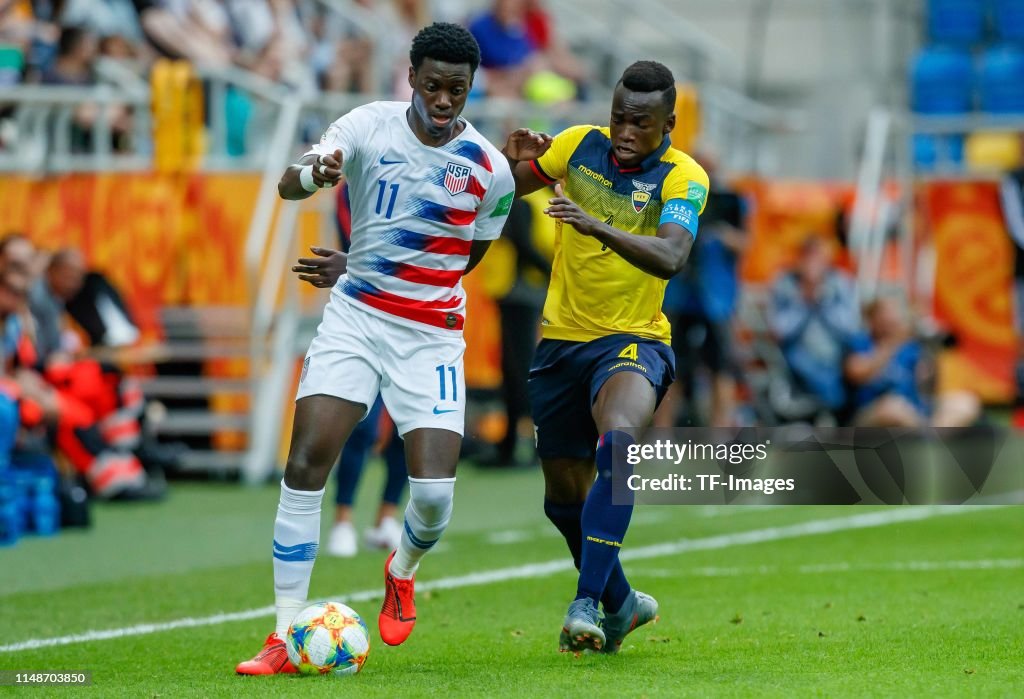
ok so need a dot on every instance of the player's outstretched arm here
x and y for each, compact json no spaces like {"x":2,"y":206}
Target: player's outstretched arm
{"x":323,"y":270}
{"x":311,"y":173}
{"x":522,"y":146}
{"x":662,"y":255}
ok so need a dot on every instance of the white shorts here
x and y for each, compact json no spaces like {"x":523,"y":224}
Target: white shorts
{"x":357,"y":354}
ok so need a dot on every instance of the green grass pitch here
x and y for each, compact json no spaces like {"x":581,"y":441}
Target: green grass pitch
{"x":925,"y":607}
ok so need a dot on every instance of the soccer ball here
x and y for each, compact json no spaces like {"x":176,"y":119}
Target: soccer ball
{"x":328,"y":637}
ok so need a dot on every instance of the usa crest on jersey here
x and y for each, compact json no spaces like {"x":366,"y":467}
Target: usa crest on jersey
{"x":456,"y":178}
{"x":642,"y":194}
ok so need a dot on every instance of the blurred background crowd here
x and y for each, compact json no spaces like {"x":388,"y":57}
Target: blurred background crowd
{"x":859,"y":262}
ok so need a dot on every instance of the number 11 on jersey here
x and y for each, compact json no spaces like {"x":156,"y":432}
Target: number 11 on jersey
{"x":441,"y":377}
{"x":382,"y":186}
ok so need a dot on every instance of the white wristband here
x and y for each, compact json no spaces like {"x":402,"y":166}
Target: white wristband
{"x":306,"y":179}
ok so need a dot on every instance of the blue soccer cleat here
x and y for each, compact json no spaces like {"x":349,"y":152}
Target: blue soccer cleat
{"x":581,"y":630}
{"x":637,"y":610}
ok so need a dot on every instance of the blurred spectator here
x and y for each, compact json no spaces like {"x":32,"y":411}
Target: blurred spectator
{"x":13,"y":283}
{"x":345,"y":52}
{"x":76,"y":56}
{"x":62,"y":280}
{"x":196,"y":30}
{"x":76,"y":52}
{"x":506,"y":52}
{"x":119,"y":48}
{"x":115,"y":400}
{"x":271,"y":40}
{"x":17,"y":250}
{"x":110,"y":473}
{"x":115,"y":21}
{"x":101,"y":312}
{"x":886,"y":366}
{"x":16,"y":31}
{"x":700,"y":303}
{"x":541,"y":31}
{"x":31,"y":25}
{"x":93,"y":412}
{"x":813,"y":316}
{"x":409,"y":17}
{"x":1012,"y":192}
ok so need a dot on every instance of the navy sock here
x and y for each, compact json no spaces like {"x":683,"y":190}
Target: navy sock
{"x":566,"y":519}
{"x":604,"y":527}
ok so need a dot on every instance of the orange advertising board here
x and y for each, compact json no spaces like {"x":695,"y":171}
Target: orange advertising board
{"x":973,"y":281}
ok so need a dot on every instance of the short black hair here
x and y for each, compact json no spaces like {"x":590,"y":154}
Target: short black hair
{"x":70,"y":39}
{"x":446,"y":42}
{"x":651,"y":76}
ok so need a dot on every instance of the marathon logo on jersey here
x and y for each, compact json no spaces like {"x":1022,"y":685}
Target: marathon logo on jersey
{"x":456,"y":178}
{"x":642,"y":194}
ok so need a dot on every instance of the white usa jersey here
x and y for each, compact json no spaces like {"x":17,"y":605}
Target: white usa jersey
{"x":416,"y":210}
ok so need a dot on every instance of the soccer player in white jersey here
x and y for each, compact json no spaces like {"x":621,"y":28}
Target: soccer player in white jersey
{"x":428,"y":195}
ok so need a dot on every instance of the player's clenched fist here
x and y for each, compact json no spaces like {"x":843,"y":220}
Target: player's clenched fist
{"x":327,"y":170}
{"x":311,"y":174}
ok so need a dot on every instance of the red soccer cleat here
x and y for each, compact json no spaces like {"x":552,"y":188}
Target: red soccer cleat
{"x":398,"y":613}
{"x":272,"y":660}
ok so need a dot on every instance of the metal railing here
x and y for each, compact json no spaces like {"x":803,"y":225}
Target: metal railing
{"x":43,"y":122}
{"x":888,"y":156}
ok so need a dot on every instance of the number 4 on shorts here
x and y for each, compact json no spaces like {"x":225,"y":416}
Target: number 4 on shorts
{"x":628,"y":352}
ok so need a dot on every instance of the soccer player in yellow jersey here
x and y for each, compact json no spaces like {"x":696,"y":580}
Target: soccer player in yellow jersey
{"x":630,"y":202}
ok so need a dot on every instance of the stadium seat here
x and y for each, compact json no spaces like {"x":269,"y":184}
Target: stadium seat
{"x":1001,"y":80}
{"x":993,"y":151}
{"x":933,"y":152}
{"x":959,"y":22}
{"x":942,"y":81}
{"x":1008,"y":18}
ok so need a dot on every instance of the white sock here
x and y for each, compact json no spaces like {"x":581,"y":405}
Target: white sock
{"x":296,"y":540}
{"x":426,"y":516}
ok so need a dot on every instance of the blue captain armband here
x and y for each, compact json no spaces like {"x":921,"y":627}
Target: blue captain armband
{"x":682,"y":213}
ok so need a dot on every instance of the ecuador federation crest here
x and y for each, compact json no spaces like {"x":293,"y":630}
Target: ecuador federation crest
{"x":456,"y":178}
{"x":642,"y":194}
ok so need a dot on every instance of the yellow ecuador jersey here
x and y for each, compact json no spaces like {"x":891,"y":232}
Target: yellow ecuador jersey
{"x":594,"y":292}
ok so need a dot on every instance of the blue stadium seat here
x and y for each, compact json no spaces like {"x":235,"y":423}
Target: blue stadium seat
{"x":1001,"y":80}
{"x":1008,"y":17}
{"x":959,"y":22}
{"x":935,"y":152}
{"x":942,"y":81}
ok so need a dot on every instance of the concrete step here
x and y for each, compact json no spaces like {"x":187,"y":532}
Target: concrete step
{"x":190,"y":386}
{"x":211,"y":460}
{"x":175,"y":351}
{"x":201,"y":422}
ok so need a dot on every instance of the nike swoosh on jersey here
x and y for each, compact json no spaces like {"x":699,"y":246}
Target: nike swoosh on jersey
{"x":390,"y":162}
{"x":442,"y":412}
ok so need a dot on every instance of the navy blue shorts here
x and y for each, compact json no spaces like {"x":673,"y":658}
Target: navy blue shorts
{"x":566,"y":377}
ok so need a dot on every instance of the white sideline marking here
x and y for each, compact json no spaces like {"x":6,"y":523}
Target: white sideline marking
{"x":841,"y":567}
{"x":534,"y":570}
